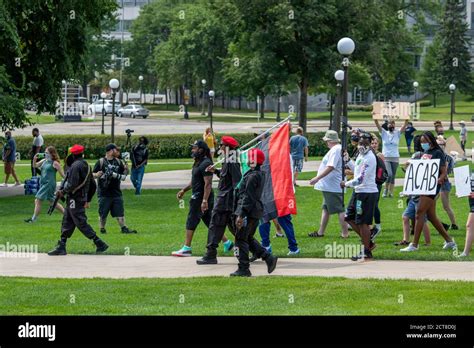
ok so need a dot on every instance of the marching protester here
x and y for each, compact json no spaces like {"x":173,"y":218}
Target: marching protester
{"x":9,"y":159}
{"x":463,"y":137}
{"x":377,"y":228}
{"x":327,"y":181}
{"x":35,"y":149}
{"x":78,"y":188}
{"x":427,"y":203}
{"x":299,"y":152}
{"x":139,"y":157}
{"x":50,"y":165}
{"x":229,"y":177}
{"x":409,"y":135}
{"x":390,"y":142}
{"x":248,"y":212}
{"x":110,"y":171}
{"x":446,"y":186}
{"x":210,"y":139}
{"x":360,"y":212}
{"x":287,"y":226}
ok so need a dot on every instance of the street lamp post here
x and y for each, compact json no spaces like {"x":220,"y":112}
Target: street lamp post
{"x":452,"y":90}
{"x":140,"y":78}
{"x":336,"y":124}
{"x":415,"y":87}
{"x":211,"y":102}
{"x":345,"y":46}
{"x":203,"y":81}
{"x":103,"y":95}
{"x":113,"y":84}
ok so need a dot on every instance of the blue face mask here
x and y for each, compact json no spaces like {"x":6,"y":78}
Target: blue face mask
{"x":425,"y":146}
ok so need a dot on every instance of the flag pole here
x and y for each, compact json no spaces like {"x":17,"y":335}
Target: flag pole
{"x":260,"y":136}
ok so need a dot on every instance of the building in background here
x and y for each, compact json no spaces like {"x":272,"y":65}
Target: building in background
{"x":128,"y":11}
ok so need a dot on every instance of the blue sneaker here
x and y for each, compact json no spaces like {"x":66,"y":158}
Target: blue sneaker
{"x":183,"y":252}
{"x":291,"y":253}
{"x":269,"y":248}
{"x":228,"y":246}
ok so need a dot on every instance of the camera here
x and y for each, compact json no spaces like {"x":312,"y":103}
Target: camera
{"x":129,"y":132}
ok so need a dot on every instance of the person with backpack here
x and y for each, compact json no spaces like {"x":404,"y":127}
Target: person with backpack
{"x":380,"y":178}
{"x":78,"y":187}
{"x":446,"y":186}
{"x":110,"y":171}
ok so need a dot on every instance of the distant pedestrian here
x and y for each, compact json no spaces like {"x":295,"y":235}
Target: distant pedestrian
{"x":35,"y":149}
{"x":409,"y":135}
{"x":463,"y":137}
{"x":9,"y":159}
{"x":210,"y":139}
{"x":139,"y":157}
{"x":299,"y":152}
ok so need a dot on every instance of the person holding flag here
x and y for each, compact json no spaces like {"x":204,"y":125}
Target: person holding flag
{"x":229,"y":177}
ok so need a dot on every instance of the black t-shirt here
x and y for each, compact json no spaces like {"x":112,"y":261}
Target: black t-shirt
{"x":435,"y":154}
{"x":198,"y":174}
{"x":109,"y":187}
{"x":140,"y":155}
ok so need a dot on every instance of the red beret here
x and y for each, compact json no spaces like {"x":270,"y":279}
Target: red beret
{"x":229,"y":141}
{"x":256,"y":155}
{"x":76,"y":149}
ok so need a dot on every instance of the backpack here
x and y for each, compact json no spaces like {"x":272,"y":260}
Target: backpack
{"x":450,"y":164}
{"x":381,"y":174}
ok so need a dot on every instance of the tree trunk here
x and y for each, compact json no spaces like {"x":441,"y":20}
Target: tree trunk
{"x":166,"y":97}
{"x":278,"y":118}
{"x":434,"y":99}
{"x":176,"y":95}
{"x":303,"y":103}
{"x":262,"y":106}
{"x":229,"y":101}
{"x":240,"y":102}
{"x":223,"y":100}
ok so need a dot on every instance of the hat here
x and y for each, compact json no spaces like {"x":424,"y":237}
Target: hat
{"x":76,"y":149}
{"x":331,"y":136}
{"x":229,"y":141}
{"x":462,"y":122}
{"x":256,"y":155}
{"x":201,"y":144}
{"x":110,"y":147}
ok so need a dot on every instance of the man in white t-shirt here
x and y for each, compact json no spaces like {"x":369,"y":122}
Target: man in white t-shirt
{"x":360,"y":212}
{"x":35,"y":149}
{"x":328,"y":182}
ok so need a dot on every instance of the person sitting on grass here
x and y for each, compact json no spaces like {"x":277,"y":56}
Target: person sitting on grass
{"x":49,"y":166}
{"x":427,"y":204}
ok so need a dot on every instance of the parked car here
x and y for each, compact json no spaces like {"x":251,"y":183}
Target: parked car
{"x":96,"y":107}
{"x":133,"y":110}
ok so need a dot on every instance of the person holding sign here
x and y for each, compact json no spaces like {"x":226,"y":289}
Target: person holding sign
{"x":427,"y":203}
{"x":390,"y":142}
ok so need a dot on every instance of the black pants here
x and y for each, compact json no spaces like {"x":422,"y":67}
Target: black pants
{"x":75,"y":216}
{"x":377,"y":210}
{"x":244,"y":241}
{"x":33,"y":169}
{"x":219,"y":221}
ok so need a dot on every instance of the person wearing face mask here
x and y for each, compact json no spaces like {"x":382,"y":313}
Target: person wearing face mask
{"x":327,"y":181}
{"x":139,"y":157}
{"x":49,"y":166}
{"x":390,"y":142}
{"x":360,"y":212}
{"x":9,"y":159}
{"x":110,"y":171}
{"x":427,"y":203}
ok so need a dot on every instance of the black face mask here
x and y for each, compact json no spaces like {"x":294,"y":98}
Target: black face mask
{"x":355,"y":138}
{"x":391,"y":129}
{"x":197,"y":155}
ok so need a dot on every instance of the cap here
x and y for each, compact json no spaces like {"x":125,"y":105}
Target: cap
{"x":366,"y":136}
{"x":331,"y":135}
{"x":77,"y":149}
{"x":256,"y":155}
{"x":462,"y":122}
{"x":110,"y":147}
{"x":201,"y":144}
{"x":229,"y":141}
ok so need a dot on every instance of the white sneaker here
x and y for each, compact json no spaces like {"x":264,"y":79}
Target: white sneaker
{"x":449,"y":245}
{"x":463,"y":254}
{"x":291,"y":253}
{"x":183,"y":252}
{"x":410,"y":247}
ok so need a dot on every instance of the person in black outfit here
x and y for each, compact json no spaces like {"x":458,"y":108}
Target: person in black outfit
{"x":78,"y":187}
{"x":139,"y":157}
{"x":248,"y":211}
{"x":110,"y":171}
{"x":202,"y":195}
{"x":229,"y":177}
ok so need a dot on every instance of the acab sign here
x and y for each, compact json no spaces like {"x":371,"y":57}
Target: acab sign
{"x":421,"y":177}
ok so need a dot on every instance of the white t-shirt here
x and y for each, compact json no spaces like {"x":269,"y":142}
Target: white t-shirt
{"x":390,"y":141}
{"x":332,"y":181}
{"x":365,"y":168}
{"x":38,"y":141}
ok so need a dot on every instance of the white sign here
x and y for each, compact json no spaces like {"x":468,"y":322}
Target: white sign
{"x":421,"y":177}
{"x":462,"y":181}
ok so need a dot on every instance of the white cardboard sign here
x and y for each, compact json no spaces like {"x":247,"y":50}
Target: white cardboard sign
{"x":421,"y":177}
{"x":462,"y":181}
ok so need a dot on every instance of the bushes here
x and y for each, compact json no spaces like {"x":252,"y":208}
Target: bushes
{"x":160,"y":146}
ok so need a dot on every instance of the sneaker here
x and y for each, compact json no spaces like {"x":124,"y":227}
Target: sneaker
{"x":279,"y":235}
{"x":291,"y":253}
{"x":101,"y":246}
{"x":362,"y":256}
{"x":384,"y":194}
{"x":17,"y":184}
{"x":241,"y":273}
{"x":60,"y":249}
{"x":454,"y":227}
{"x":184,"y":251}
{"x":390,"y":194}
{"x":374,"y":232}
{"x":463,"y":254}
{"x":228,"y":246}
{"x":29,"y":221}
{"x":206,"y":261}
{"x":449,"y":245}
{"x":446,"y":226}
{"x":126,"y":230}
{"x":269,"y":248}
{"x":103,"y":230}
{"x":410,"y":247}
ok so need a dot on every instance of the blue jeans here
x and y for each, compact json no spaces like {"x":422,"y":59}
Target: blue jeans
{"x":137,"y":178}
{"x":287,"y":225}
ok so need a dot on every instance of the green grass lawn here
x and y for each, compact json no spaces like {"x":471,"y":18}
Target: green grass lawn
{"x":160,"y":221}
{"x":271,"y":295}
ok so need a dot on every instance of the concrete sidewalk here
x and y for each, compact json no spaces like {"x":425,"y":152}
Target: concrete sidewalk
{"x":122,"y":267}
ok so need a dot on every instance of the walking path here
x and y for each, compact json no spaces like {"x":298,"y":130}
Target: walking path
{"x":122,"y":267}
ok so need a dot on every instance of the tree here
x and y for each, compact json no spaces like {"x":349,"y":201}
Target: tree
{"x":430,"y":75}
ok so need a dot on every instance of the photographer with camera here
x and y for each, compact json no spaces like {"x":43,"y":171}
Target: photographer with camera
{"x":139,"y":157}
{"x":110,"y":171}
